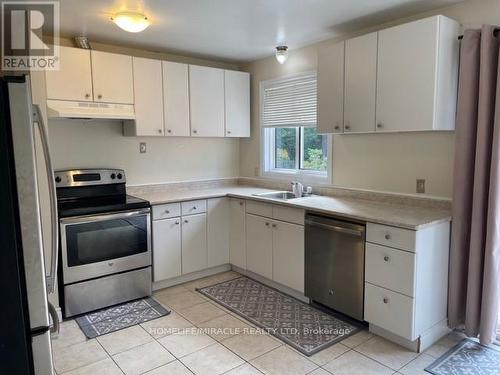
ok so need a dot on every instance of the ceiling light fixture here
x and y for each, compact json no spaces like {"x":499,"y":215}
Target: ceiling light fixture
{"x":133,"y":22}
{"x":281,"y":54}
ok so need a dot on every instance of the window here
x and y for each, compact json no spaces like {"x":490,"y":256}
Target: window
{"x":291,"y":145}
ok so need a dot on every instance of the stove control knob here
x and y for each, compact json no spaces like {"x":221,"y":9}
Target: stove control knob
{"x":119,"y":175}
{"x":58,"y":179}
{"x":113,"y":176}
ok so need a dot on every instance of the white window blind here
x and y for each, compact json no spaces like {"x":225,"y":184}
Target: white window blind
{"x":290,"y":103}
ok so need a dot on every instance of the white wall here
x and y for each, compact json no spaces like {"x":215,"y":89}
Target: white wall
{"x":87,"y":144}
{"x":387,"y":162}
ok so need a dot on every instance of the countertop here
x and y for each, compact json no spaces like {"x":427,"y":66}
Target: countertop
{"x":398,"y":215}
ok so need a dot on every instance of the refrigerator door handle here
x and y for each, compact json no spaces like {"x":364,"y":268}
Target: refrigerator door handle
{"x":54,"y":330}
{"x":38,"y":119}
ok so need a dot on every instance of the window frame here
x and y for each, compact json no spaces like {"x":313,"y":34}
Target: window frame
{"x":267,"y":145}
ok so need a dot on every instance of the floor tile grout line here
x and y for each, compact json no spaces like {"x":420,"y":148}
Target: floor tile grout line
{"x":116,"y":363}
{"x":373,"y":359}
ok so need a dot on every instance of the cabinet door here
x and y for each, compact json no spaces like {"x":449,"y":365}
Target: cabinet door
{"x":166,"y":249}
{"x":259,"y":239}
{"x":360,"y":84}
{"x":194,"y":243}
{"x":176,"y":99}
{"x":218,"y":231}
{"x":73,"y":81}
{"x":406,"y":77}
{"x":331,"y":89}
{"x":237,"y":103}
{"x":112,"y":78}
{"x":288,"y":255}
{"x":206,"y":88}
{"x":148,"y":97}
{"x":237,"y":245}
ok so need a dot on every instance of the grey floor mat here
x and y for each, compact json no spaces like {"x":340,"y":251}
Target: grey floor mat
{"x":300,"y":325}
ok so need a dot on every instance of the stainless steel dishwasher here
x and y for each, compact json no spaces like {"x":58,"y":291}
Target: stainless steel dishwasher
{"x":335,"y":264}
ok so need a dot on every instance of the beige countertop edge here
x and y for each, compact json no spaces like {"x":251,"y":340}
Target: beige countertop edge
{"x":180,"y":197}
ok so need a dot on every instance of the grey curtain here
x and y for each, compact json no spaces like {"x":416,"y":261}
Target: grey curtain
{"x":474,"y":280}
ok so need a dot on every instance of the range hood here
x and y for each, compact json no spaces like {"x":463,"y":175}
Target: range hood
{"x":89,"y":110}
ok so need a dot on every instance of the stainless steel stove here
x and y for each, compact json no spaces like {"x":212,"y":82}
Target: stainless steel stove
{"x":105,"y":240}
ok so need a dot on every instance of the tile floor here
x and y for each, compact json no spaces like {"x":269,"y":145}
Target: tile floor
{"x":175,"y":345}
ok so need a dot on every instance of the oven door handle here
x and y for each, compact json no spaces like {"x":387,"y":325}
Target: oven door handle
{"x":104,"y":217}
{"x":38,"y":120}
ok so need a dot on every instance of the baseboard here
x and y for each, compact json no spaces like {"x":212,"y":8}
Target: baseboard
{"x":190,"y":277}
{"x":424,"y":341}
{"x":273,"y":284}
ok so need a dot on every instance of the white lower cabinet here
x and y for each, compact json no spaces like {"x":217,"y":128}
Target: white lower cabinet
{"x":275,"y":248}
{"x":237,"y":243}
{"x":218,"y":231}
{"x":259,"y":241}
{"x":194,"y":243}
{"x":288,"y":254}
{"x":166,"y":249}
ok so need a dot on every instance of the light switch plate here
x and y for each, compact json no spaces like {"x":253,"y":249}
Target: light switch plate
{"x":420,"y":185}
{"x":142,"y":147}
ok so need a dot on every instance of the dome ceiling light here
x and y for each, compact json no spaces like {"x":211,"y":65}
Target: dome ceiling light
{"x":133,"y":22}
{"x":281,"y":54}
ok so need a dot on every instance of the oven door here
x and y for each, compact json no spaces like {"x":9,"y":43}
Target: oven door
{"x":99,"y":245}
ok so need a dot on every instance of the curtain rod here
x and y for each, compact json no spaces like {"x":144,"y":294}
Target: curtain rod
{"x":495,"y":33}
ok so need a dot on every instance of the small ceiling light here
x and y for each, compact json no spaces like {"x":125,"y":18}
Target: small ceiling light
{"x":133,"y":22}
{"x":281,"y":54}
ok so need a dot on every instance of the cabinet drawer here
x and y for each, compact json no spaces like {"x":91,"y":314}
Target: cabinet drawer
{"x":390,"y":268}
{"x":290,"y":214}
{"x":389,"y":310}
{"x":166,"y":211}
{"x":258,"y":208}
{"x":194,"y":207}
{"x":391,"y":236}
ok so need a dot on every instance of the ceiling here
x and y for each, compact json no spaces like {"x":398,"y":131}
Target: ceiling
{"x":232,"y":30}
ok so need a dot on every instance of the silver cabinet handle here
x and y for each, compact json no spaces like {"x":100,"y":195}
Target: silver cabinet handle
{"x":194,"y":207}
{"x":177,"y":223}
{"x":169,"y":131}
{"x":229,"y":132}
{"x":195,"y":131}
{"x":347,"y":126}
{"x":335,"y":228}
{"x":99,"y":96}
{"x":185,"y":221}
{"x":274,"y":226}
{"x":87,"y":96}
{"x":379,"y":125}
{"x":336,"y":127}
{"x":387,"y":236}
{"x":267,"y":224}
{"x":160,"y":131}
{"x":385,"y":300}
{"x":241,"y":203}
{"x":51,"y":278}
{"x":386,"y":258}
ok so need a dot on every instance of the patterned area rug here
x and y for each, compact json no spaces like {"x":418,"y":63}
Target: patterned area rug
{"x":304,"y":327}
{"x":467,"y":358}
{"x":117,"y":317}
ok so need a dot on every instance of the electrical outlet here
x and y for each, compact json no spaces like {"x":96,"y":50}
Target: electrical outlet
{"x":142,"y":147}
{"x":420,"y":186}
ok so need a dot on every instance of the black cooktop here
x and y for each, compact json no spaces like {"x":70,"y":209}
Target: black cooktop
{"x":99,"y":205}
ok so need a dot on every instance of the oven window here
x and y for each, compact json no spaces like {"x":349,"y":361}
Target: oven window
{"x":104,"y":240}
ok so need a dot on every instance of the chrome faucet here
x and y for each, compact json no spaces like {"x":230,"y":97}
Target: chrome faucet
{"x":297,"y":189}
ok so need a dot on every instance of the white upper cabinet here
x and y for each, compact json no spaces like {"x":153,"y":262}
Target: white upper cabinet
{"x":73,"y":81}
{"x":206,"y":87}
{"x":176,"y":99}
{"x":417,"y":75}
{"x":237,"y":103}
{"x":331,"y":89}
{"x":148,"y":97}
{"x":112,"y":78}
{"x":360,"y":84}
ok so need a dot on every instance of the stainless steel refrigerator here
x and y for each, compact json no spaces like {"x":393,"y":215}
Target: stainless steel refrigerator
{"x":25,"y":278}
